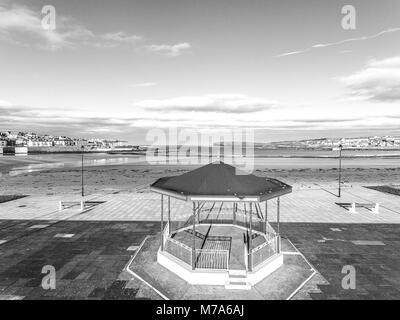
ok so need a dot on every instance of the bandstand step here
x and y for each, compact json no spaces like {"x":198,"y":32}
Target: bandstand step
{"x":237,"y":277}
{"x":237,"y":280}
{"x":238,"y":285}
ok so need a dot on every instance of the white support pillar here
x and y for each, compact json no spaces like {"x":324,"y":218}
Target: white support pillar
{"x":194,"y":239}
{"x":250,"y":256}
{"x":278,"y":212}
{"x":162,"y":222}
{"x":234,"y":212}
{"x":245,"y":215}
{"x":266,"y":216}
{"x":169,"y":215}
{"x":198,"y":212}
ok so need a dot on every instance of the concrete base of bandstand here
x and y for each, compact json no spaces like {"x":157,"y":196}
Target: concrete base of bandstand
{"x":280,"y":283}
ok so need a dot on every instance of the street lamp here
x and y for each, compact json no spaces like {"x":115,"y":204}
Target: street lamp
{"x":340,"y":167}
{"x":82,"y":148}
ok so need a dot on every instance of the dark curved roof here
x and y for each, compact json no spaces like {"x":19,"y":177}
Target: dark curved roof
{"x":220,"y":179}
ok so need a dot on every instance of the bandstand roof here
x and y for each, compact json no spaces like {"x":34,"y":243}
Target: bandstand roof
{"x":219,"y":181}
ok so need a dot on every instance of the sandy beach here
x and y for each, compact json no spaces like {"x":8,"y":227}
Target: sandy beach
{"x":52,"y":174}
{"x":126,"y":178}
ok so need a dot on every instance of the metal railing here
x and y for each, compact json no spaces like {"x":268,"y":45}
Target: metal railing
{"x":227,"y":217}
{"x":218,"y":259}
{"x":205,"y":258}
{"x":212,"y":259}
{"x":179,"y":250}
{"x":261,"y":253}
{"x":270,"y":232}
{"x":272,"y":237}
{"x":265,"y":250}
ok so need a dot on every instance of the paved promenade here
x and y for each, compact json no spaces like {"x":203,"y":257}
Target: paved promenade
{"x":89,"y":257}
{"x":317,"y":205}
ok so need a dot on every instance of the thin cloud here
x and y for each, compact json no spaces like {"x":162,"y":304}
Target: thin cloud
{"x":292,"y":53}
{"x":19,"y":21}
{"x":174,"y":50}
{"x":121,"y":36}
{"x":330,"y":44}
{"x":222,"y":103}
{"x":200,"y":112}
{"x":22,"y":25}
{"x":115,"y":39}
{"x":379,"y":80}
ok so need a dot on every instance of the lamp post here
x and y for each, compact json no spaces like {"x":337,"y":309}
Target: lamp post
{"x":82,"y":148}
{"x":340,"y":167}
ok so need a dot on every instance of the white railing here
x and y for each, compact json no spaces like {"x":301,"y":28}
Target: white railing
{"x":270,"y":232}
{"x":264,"y":251}
{"x":205,"y":258}
{"x":212,"y":259}
{"x":179,"y":250}
{"x":261,"y":253}
{"x":228,"y":218}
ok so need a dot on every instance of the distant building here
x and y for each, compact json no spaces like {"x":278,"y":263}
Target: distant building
{"x":39,"y":143}
{"x":63,"y":141}
{"x":80,"y":143}
{"x":114,"y":143}
{"x":20,"y":142}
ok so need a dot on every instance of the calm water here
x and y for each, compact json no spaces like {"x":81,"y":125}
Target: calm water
{"x":273,"y":159}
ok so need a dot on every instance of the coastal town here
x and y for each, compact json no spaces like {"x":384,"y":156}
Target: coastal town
{"x":29,"y":142}
{"x":358,"y":143}
{"x":24,"y":142}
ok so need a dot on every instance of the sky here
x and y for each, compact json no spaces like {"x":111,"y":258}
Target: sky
{"x":118,"y":69}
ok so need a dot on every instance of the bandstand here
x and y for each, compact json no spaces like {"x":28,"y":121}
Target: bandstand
{"x":226,"y":239}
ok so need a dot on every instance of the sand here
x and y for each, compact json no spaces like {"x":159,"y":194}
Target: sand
{"x":126,"y":178}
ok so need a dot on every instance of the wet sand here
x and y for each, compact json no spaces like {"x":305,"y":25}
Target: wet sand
{"x":126,"y":178}
{"x":50,"y":174}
